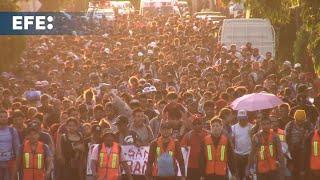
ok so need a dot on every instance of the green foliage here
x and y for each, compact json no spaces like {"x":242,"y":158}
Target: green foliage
{"x":311,"y":19}
{"x":300,"y":45}
{"x":307,"y":40}
{"x":286,"y":35}
{"x":314,"y":47}
{"x":277,"y":11}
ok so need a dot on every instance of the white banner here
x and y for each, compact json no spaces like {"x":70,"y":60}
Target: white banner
{"x":137,"y":158}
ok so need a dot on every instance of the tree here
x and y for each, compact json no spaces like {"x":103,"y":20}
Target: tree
{"x":277,"y":11}
{"x":307,"y":23}
{"x":311,"y":22}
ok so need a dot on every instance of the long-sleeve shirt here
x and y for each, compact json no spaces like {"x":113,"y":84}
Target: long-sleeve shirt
{"x":193,"y":140}
{"x":296,"y":135}
{"x":152,"y":157}
{"x":229,"y":154}
{"x":121,"y":106}
{"x":9,"y":144}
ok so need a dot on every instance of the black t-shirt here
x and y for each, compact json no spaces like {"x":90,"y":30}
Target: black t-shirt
{"x":129,"y":139}
{"x":46,"y":138}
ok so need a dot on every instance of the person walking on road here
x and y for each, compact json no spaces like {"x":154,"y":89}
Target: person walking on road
{"x":9,"y":148}
{"x":192,"y":140}
{"x":266,"y":153}
{"x":163,"y":154}
{"x":36,"y":157}
{"x":217,"y":153}
{"x":107,"y":159}
{"x":242,"y":142}
{"x":312,"y":162}
{"x":296,"y":133}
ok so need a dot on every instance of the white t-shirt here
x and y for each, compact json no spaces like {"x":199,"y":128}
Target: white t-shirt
{"x":91,"y":147}
{"x":242,"y":139}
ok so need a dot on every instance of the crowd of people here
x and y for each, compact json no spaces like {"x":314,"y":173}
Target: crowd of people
{"x":161,"y":82}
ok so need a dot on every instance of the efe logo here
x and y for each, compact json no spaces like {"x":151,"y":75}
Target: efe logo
{"x":34,"y":22}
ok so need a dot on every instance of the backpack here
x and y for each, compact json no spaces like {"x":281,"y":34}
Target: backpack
{"x":166,"y":165}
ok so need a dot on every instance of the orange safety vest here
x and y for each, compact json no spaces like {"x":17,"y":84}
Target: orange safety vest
{"x":108,"y":167}
{"x":216,"y":156}
{"x":266,"y":155}
{"x":33,"y":162}
{"x":315,"y":156}
{"x":159,"y":150}
{"x":282,"y":134}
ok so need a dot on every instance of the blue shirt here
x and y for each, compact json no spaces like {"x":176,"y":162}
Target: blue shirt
{"x":9,"y":144}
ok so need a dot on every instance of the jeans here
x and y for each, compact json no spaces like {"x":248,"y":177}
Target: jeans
{"x":6,"y":170}
{"x":165,"y":178}
{"x":297,"y":164}
{"x":88,"y":177}
{"x":241,"y":162}
{"x":193,"y":174}
{"x":313,"y":176}
{"x":135,"y":177}
{"x":215,"y":177}
{"x":268,"y":176}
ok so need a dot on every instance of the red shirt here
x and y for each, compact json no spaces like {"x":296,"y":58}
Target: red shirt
{"x":193,"y":140}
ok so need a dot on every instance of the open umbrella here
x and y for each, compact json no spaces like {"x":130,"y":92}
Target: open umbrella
{"x":256,"y":102}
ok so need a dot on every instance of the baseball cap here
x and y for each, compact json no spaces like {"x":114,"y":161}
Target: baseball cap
{"x":288,"y":63}
{"x":297,"y":65}
{"x":242,"y":114}
{"x":149,"y":89}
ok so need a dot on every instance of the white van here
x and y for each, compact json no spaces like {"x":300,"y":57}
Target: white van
{"x":259,"y":32}
{"x":123,"y":7}
{"x":158,"y":7}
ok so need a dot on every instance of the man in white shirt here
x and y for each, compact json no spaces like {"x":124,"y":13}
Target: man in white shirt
{"x":242,"y":143}
{"x":256,"y":56}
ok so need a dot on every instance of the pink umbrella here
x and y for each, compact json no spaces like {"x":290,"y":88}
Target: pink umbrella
{"x":256,"y":102}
